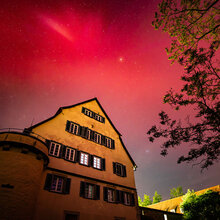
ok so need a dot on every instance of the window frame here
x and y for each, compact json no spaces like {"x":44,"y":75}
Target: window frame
{"x":93,"y":115}
{"x":119,"y":169}
{"x":127,"y":198}
{"x":80,"y":154}
{"x":84,"y":190}
{"x":59,"y":149}
{"x":71,"y":150}
{"x":49,"y":181}
{"x":100,"y":162}
{"x":98,"y":138}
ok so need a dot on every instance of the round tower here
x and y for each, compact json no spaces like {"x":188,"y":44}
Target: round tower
{"x":22,"y":160}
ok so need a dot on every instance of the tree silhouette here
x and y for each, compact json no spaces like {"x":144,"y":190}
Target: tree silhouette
{"x":192,"y":24}
{"x":176,"y":192}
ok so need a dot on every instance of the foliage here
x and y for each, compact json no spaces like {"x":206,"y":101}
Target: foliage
{"x":176,"y":192}
{"x":188,"y":22}
{"x":204,"y":206}
{"x":139,"y":201}
{"x":147,"y":200}
{"x":156,"y":198}
{"x":192,"y":24}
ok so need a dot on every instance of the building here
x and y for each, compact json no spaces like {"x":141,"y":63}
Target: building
{"x":173,"y":205}
{"x":155,"y":214}
{"x":72,"y":166}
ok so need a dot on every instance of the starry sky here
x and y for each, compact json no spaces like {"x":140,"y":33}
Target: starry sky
{"x":57,"y":53}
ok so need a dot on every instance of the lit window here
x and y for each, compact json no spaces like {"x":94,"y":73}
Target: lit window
{"x":97,"y":162}
{"x":70,"y":154}
{"x":54,"y":149}
{"x":84,"y":158}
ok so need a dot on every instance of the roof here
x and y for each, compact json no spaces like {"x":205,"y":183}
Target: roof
{"x":71,"y":106}
{"x":175,"y":202}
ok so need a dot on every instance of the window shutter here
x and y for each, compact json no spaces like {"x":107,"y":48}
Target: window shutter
{"x":97,"y":191}
{"x":79,"y":130}
{"x":95,"y":136}
{"x":105,"y":193}
{"x":118,"y":196}
{"x":83,"y":110}
{"x":92,"y":135}
{"x":83,"y":132}
{"x":124,"y":174}
{"x":113,"y":144}
{"x":132,"y":200}
{"x":122,"y":198}
{"x":67,"y":125}
{"x":66,"y":188}
{"x":48,"y":143}
{"x":91,"y":160}
{"x":93,"y":114}
{"x":114,"y":167}
{"x":103,"y":120}
{"x":77,"y":156}
{"x":82,"y":189}
{"x":62,"y":151}
{"x":104,"y":140}
{"x":48,"y":181}
{"x":103,"y":163}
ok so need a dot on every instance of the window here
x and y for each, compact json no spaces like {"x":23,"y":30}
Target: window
{"x":119,"y":169}
{"x":97,"y":138}
{"x":108,"y":142}
{"x":70,"y":154}
{"x":59,"y":184}
{"x":93,"y":115}
{"x":89,"y":191}
{"x":111,"y":195}
{"x":118,"y":196}
{"x":72,"y":128}
{"x":89,"y":134}
{"x":84,"y":158}
{"x":97,"y":162}
{"x":127,"y":198}
{"x":54,"y":149}
{"x":70,"y":216}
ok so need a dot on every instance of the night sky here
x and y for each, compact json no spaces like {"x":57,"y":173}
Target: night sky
{"x":57,"y":53}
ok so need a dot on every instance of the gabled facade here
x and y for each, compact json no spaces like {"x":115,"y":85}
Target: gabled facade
{"x":90,"y":174}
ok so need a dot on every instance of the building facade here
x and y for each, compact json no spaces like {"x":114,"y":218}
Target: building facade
{"x":73,"y":165}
